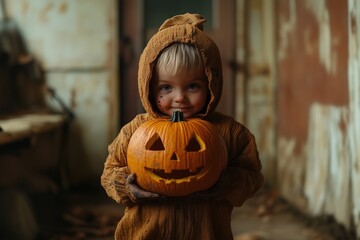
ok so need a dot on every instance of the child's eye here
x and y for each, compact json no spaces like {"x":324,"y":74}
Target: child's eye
{"x":193,"y":86}
{"x":165,"y":87}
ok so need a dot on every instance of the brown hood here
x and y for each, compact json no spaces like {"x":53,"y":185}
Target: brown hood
{"x":186,"y":28}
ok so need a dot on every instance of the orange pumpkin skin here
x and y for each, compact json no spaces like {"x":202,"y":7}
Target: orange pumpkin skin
{"x":176,"y":158}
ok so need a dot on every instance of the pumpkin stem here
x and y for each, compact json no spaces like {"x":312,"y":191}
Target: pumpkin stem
{"x":177,"y":116}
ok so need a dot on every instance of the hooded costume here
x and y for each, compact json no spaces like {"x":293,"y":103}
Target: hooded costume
{"x":188,"y":218}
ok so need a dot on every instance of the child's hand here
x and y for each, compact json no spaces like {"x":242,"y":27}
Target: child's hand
{"x":139,"y":193}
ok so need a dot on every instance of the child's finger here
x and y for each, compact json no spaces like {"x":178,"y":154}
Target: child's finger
{"x":131,"y":178}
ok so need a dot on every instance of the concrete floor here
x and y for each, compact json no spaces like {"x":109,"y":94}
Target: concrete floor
{"x":93,"y":217}
{"x":271,"y":218}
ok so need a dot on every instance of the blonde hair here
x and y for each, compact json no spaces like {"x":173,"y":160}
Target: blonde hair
{"x":179,"y":57}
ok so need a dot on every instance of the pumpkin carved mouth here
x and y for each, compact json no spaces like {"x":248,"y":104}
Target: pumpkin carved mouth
{"x":175,"y":174}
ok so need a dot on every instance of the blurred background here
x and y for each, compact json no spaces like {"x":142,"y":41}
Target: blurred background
{"x":68,"y":83}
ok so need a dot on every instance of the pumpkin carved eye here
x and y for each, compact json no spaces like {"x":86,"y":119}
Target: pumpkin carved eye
{"x":155,"y":143}
{"x":195,"y":144}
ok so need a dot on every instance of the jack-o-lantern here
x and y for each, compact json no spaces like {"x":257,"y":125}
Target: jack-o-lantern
{"x":176,"y":157}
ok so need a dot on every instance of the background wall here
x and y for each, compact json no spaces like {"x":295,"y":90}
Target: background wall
{"x":76,"y":44}
{"x":318,"y":107}
{"x":299,"y":73}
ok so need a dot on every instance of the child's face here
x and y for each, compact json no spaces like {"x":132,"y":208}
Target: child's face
{"x":186,"y":91}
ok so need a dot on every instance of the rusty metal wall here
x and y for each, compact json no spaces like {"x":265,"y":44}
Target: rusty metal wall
{"x":76,"y":42}
{"x":318,"y":62}
{"x":256,"y":77}
{"x":353,"y":129}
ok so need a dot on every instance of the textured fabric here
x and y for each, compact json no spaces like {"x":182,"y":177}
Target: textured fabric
{"x":189,"y":217}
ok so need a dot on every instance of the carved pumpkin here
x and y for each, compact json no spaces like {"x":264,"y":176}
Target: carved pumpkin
{"x":176,"y":157}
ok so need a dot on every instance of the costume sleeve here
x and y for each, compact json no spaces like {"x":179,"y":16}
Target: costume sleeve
{"x":115,"y":171}
{"x":243,"y":176}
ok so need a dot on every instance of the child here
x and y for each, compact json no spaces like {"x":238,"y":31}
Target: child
{"x":180,"y":68}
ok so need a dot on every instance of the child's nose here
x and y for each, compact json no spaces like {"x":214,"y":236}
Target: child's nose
{"x":180,"y":96}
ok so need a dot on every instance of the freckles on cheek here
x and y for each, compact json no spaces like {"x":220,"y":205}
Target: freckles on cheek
{"x":160,"y":101}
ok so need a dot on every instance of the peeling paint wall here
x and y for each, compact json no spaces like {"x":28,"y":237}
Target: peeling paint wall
{"x":76,"y":42}
{"x":327,"y":181}
{"x":259,"y":101}
{"x":318,"y":60}
{"x":354,"y":108}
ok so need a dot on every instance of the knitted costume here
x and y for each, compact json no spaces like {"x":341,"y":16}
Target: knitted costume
{"x":188,"y":218}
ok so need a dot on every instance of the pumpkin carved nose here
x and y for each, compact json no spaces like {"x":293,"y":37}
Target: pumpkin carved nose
{"x":174,"y":157}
